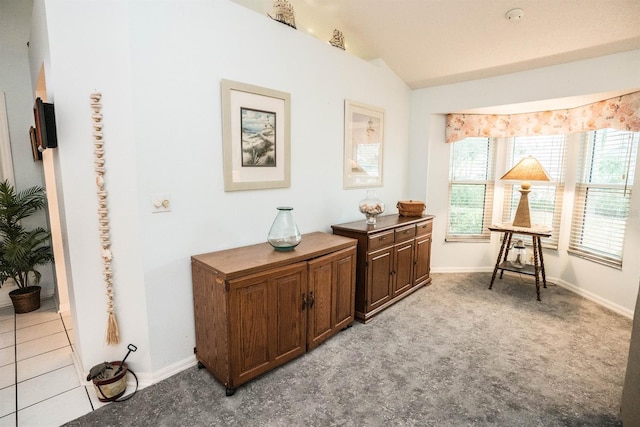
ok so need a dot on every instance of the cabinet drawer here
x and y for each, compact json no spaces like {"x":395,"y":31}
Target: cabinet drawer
{"x":380,"y":240}
{"x":424,"y":227}
{"x":405,"y":233}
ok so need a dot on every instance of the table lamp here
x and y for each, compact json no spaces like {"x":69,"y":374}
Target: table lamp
{"x":527,"y":169}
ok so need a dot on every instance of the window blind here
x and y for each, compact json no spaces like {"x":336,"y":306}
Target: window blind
{"x":471,"y":184}
{"x":603,"y":192}
{"x":545,"y":199}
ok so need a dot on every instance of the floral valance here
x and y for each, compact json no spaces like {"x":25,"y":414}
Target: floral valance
{"x":621,"y":112}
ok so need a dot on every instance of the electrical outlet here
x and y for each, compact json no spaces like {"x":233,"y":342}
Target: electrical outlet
{"x":160,"y":202}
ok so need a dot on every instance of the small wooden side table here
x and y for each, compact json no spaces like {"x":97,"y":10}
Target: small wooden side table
{"x":537,"y":269}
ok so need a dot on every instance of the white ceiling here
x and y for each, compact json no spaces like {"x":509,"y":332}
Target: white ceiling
{"x":434,"y":42}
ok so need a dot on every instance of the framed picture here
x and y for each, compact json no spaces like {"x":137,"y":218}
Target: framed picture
{"x":255,"y":137}
{"x":37,"y":154}
{"x":363,"y":145}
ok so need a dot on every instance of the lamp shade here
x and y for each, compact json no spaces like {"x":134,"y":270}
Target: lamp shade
{"x":527,"y":169}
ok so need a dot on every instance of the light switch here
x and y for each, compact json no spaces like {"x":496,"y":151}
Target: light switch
{"x":160,"y":202}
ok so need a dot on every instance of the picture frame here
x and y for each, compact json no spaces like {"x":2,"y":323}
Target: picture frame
{"x":35,"y":147}
{"x":363,"y":145}
{"x":255,"y":137}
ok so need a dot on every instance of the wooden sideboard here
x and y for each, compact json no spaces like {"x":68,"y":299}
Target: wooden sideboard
{"x":394,"y":258}
{"x":256,"y":308}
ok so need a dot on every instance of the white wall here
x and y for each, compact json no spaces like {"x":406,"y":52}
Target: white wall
{"x":15,"y":83}
{"x":429,"y":166}
{"x":159,"y":68}
{"x":69,"y":80}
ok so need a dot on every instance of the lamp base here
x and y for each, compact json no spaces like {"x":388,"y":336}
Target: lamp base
{"x":523,"y":218}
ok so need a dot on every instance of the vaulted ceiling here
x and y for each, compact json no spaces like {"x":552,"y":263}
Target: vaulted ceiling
{"x":434,"y":42}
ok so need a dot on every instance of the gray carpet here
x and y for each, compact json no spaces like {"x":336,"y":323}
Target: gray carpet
{"x":451,"y":354}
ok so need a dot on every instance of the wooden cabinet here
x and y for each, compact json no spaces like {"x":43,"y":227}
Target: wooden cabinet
{"x":256,"y":308}
{"x":393,"y":260}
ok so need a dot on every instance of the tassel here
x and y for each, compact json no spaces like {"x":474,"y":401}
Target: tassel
{"x":113,"y":334}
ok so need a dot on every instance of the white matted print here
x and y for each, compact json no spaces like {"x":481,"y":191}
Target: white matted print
{"x":255,"y":137}
{"x":363,"y":145}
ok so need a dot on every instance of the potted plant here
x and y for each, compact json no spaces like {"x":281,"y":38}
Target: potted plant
{"x":21,"y":250}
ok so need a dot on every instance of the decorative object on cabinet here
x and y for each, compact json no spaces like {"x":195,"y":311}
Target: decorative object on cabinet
{"x":527,"y":169}
{"x":283,"y":12}
{"x":537,"y":269}
{"x":363,"y":145}
{"x":337,"y":40}
{"x":284,"y":234}
{"x":256,"y":308}
{"x":113,"y":333}
{"x":394,"y":260}
{"x":410,"y":207}
{"x":22,"y":249}
{"x":371,"y":207}
{"x":255,"y":137}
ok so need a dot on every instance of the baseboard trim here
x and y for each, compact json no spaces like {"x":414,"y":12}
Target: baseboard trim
{"x":77,"y":364}
{"x":173,"y":369}
{"x":592,"y":297}
{"x":63,"y":308}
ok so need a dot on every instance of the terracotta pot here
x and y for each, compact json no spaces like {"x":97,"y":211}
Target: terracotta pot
{"x":26,"y":299}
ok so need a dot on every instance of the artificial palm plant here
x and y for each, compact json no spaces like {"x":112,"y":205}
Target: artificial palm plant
{"x":22,"y":250}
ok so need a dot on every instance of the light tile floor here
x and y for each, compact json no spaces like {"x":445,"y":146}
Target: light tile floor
{"x":39,"y":384}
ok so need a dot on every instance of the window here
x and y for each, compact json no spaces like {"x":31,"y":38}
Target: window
{"x":471,"y":182}
{"x":603,"y":191}
{"x":545,"y":199}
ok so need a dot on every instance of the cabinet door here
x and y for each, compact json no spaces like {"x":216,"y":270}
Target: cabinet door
{"x":379,"y":278}
{"x":422,"y":264}
{"x":331,"y":297}
{"x":345,"y":287}
{"x":403,"y":268}
{"x":289,"y":319}
{"x":266,"y":322}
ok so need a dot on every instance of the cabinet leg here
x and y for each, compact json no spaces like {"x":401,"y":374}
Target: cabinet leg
{"x":347,"y":327}
{"x":230,"y":391}
{"x":200,"y":365}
